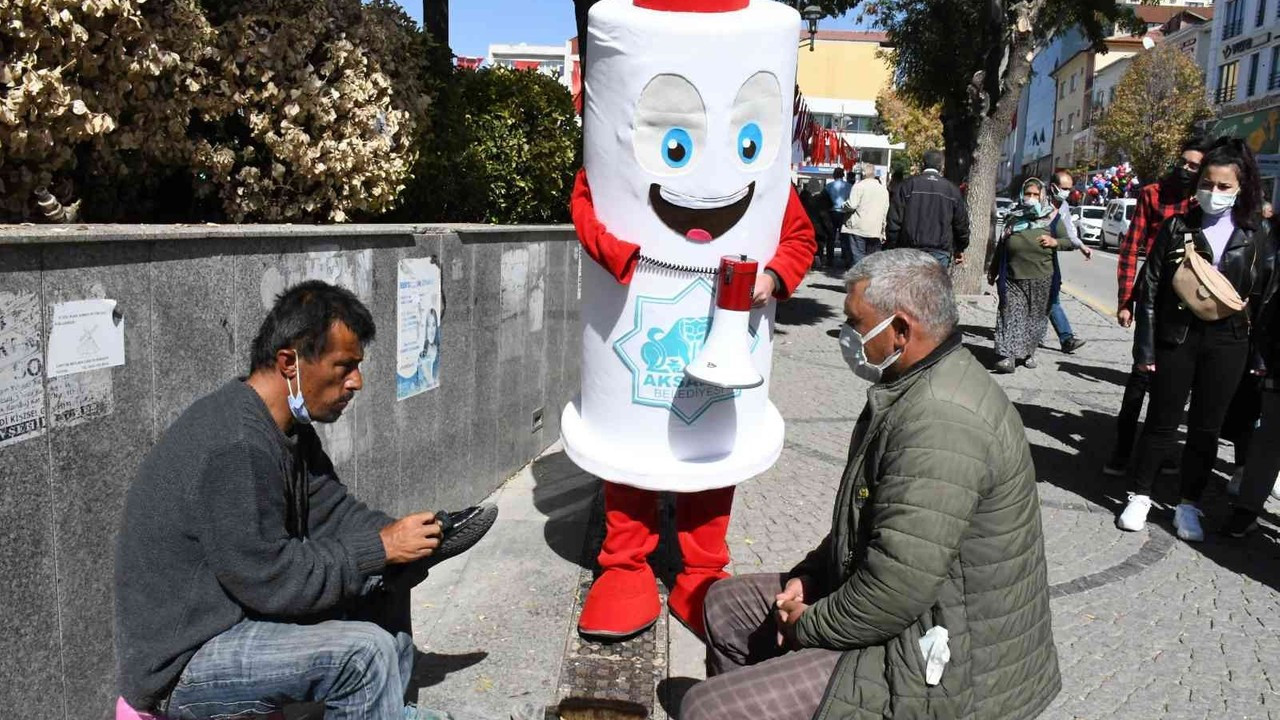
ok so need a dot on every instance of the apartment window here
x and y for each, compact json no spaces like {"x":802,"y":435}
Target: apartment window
{"x":1262,"y":13}
{"x":1227,"y":76}
{"x":1111,"y":95}
{"x":1274,"y":82}
{"x":1233,"y":19}
{"x":1073,"y":82}
{"x":1071,"y":122}
{"x":1059,"y":126}
{"x":1252,"y":88}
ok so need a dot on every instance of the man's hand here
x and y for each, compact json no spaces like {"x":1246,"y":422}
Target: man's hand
{"x":959,"y":260}
{"x":1125,"y":317}
{"x":793,"y":591}
{"x":789,"y":613}
{"x":1047,"y":241}
{"x":765,"y":287}
{"x":1086,"y":251}
{"x":1145,"y":368}
{"x":410,"y":538}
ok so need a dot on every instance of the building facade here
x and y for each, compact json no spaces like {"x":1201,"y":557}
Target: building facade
{"x":557,"y":61}
{"x":840,"y":79}
{"x":1244,"y":79}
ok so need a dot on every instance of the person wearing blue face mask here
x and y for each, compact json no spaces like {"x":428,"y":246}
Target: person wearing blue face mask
{"x":1024,"y":269}
{"x":247,"y":576}
{"x":935,"y":534}
{"x":1187,"y":356}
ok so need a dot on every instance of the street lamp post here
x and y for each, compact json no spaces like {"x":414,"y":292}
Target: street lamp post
{"x":811,"y":14}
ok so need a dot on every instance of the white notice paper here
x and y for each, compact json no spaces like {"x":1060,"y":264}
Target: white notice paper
{"x":418,"y":307}
{"x":85,"y":335}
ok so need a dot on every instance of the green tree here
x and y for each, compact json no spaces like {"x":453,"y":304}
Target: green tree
{"x":1158,"y":101}
{"x":905,"y":121}
{"x":977,"y":81}
{"x":504,"y":147}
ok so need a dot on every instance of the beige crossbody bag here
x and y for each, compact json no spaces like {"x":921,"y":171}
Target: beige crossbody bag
{"x":1207,"y":293}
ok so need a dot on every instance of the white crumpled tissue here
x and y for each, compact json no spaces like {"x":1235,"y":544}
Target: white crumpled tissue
{"x":937,"y":651}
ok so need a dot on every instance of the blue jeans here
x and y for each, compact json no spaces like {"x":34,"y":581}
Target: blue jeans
{"x":862,"y":247}
{"x":1058,"y":317}
{"x":358,"y":668}
{"x":942,"y":256}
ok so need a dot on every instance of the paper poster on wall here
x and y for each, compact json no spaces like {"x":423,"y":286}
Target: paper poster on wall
{"x":79,"y":398}
{"x":418,"y":307}
{"x":21,"y":369}
{"x":85,"y":335}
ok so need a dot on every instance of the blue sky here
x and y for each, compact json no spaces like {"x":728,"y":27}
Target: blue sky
{"x":474,"y":24}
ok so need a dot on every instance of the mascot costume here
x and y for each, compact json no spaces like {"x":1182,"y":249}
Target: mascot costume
{"x":685,"y":196}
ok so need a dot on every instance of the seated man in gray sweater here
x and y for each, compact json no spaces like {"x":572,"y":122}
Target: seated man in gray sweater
{"x":247,"y":576}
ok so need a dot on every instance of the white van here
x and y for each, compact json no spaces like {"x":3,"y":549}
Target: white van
{"x":1115,"y":222}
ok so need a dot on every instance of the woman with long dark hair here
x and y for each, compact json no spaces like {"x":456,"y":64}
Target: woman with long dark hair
{"x":1188,"y":356}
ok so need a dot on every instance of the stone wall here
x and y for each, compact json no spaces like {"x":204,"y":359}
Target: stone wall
{"x":191,"y":299}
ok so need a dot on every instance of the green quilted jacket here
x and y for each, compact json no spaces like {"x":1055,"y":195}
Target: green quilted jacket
{"x":937,"y":522}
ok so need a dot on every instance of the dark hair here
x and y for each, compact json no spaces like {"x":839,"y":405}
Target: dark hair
{"x":1198,"y":143}
{"x":1234,"y":152}
{"x":838,"y":173}
{"x":933,"y":160}
{"x":301,"y":319}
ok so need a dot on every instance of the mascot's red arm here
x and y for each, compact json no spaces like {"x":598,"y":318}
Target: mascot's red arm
{"x":790,"y":263}
{"x":796,"y":248}
{"x":619,"y":257}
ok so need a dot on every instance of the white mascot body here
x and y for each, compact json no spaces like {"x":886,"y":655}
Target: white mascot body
{"x":687,"y":122}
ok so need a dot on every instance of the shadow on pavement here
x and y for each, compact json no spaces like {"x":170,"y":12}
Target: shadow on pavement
{"x":671,"y":692}
{"x":803,"y":311}
{"x":828,"y":286}
{"x":982,"y":331}
{"x":564,"y":494}
{"x":1095,"y":373}
{"x":432,"y":668}
{"x":1079,"y":473}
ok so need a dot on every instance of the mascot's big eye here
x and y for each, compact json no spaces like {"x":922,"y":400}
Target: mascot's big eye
{"x":750,"y":138}
{"x":677,"y":148}
{"x":670,"y":130}
{"x":759,"y":115}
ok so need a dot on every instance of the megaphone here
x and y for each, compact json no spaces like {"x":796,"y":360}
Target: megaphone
{"x":725,"y":359}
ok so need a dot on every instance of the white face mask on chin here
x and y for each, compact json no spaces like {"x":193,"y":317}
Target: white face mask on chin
{"x":853,"y":348}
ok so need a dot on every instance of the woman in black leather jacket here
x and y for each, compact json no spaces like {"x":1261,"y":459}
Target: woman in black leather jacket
{"x":1263,"y":462}
{"x":1188,"y":356}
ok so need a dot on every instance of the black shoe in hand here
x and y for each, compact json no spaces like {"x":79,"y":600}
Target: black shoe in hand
{"x":463,"y":529}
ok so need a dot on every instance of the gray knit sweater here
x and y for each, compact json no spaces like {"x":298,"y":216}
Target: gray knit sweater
{"x":228,"y":518}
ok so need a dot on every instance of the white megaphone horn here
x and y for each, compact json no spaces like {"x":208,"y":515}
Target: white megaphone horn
{"x":725,"y":359}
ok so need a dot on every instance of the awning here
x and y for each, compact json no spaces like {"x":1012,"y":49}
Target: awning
{"x":1259,"y":129}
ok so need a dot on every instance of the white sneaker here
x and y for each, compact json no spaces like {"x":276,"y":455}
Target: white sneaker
{"x":1134,"y":517}
{"x":1187,"y":520}
{"x":1275,"y":489}
{"x":1233,"y":485}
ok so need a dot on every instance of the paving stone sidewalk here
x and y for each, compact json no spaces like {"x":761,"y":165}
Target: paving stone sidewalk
{"x":1147,"y":626}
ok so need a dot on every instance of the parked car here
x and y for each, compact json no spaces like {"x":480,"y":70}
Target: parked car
{"x":1003,"y":206}
{"x":1115,"y":221}
{"x":1089,"y":220}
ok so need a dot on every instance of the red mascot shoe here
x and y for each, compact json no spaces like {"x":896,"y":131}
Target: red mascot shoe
{"x":623,"y":601}
{"x":702,"y":521}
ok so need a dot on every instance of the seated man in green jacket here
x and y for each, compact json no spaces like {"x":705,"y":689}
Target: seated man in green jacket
{"x":929,"y":597}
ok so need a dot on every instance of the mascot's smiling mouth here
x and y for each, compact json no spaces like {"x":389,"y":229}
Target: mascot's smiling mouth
{"x":698,"y":219}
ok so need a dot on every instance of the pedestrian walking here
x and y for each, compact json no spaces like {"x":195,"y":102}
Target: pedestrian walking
{"x":867,"y":211}
{"x":1025,"y":271}
{"x":817,"y":205}
{"x":929,"y":597}
{"x":928,"y":213}
{"x":1157,"y":202}
{"x":1194,"y":340}
{"x":1260,"y":471}
{"x":1059,"y":191}
{"x":837,"y":192}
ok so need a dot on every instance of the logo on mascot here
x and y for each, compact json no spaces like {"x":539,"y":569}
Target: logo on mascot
{"x":667,"y":335}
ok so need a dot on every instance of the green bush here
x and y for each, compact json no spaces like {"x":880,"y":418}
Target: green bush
{"x":502,"y":148}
